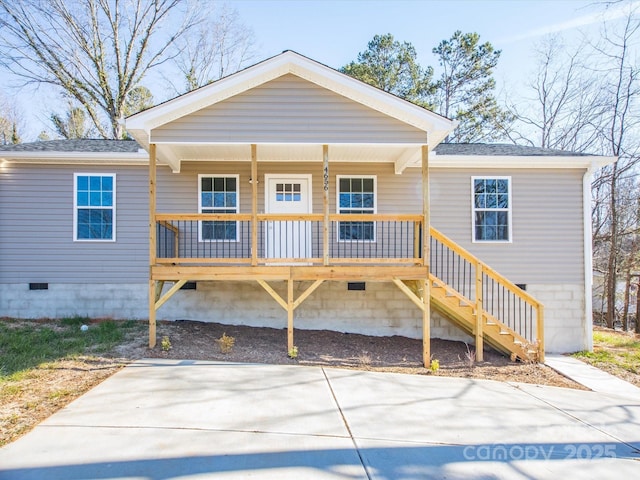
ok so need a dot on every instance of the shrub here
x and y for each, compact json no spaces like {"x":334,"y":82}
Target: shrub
{"x":226,"y":343}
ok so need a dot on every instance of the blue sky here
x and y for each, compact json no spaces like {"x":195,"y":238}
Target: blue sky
{"x":334,"y":32}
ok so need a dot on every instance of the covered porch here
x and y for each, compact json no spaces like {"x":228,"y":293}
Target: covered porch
{"x":290,"y":247}
{"x":305,"y":250}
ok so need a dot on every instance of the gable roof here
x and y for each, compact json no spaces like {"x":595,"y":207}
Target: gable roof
{"x":141,"y":125}
{"x":303,"y":67}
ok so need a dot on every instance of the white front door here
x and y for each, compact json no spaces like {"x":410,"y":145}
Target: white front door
{"x":288,"y":194}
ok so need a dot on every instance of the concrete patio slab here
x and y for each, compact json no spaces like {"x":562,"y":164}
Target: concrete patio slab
{"x":211,"y":395}
{"x":164,"y":420}
{"x":451,"y":410}
{"x":616,"y":416}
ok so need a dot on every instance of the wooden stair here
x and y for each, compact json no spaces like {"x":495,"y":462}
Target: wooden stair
{"x":461,"y":311}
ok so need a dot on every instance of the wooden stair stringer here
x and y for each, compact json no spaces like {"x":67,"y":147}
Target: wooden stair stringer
{"x":460,"y":311}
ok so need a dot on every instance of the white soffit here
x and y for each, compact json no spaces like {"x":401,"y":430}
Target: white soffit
{"x":290,"y":152}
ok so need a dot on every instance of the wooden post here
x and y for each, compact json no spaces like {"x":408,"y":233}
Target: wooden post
{"x":426,"y":286}
{"x":325,"y":204}
{"x":426,"y":208}
{"x":479,"y":314}
{"x":290,"y":309}
{"x":416,"y":241}
{"x":426,"y":324}
{"x":540,"y":332}
{"x":152,"y":314}
{"x":152,"y":244}
{"x":254,"y":204}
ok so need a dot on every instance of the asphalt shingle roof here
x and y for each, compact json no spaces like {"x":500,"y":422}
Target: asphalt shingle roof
{"x":83,"y":145}
{"x":497,"y":149}
{"x":131,"y":146}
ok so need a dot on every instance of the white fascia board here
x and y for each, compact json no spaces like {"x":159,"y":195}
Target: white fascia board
{"x":141,"y":137}
{"x":84,"y":158}
{"x":507,"y":161}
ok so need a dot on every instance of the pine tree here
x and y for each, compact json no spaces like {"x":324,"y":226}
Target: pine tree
{"x":465,"y":89}
{"x":392,"y":66}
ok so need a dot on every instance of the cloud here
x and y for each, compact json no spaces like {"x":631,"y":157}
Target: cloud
{"x":609,"y":14}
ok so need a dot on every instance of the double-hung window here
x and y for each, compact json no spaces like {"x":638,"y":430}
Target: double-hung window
{"x":94,"y":208}
{"x":356,"y":195}
{"x":491,"y":205}
{"x":218,"y":194}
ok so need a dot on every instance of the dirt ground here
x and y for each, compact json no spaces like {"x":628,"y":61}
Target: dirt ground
{"x":197,"y":340}
{"x":28,"y":401}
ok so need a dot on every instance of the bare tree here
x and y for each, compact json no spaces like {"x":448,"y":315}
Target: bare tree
{"x":565,"y":110}
{"x":11,"y":122}
{"x":96,"y":51}
{"x":586,"y":99}
{"x":626,"y":251}
{"x":218,"y":46}
{"x":622,"y":94}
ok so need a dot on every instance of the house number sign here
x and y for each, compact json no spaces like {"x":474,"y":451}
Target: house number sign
{"x":326,"y":178}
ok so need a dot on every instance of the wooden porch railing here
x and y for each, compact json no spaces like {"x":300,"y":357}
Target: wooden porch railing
{"x":488,"y":292}
{"x":228,"y":239}
{"x":353,"y":239}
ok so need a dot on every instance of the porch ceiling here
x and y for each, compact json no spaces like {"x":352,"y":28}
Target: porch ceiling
{"x":401,"y":155}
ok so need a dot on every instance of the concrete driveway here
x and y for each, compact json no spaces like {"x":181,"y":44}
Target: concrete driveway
{"x":194,"y":420}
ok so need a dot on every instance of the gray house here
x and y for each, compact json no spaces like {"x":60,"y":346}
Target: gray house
{"x":289,"y":194}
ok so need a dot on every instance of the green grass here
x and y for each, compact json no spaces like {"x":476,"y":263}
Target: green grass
{"x":27,"y":345}
{"x":614,"y":340}
{"x":614,"y":349}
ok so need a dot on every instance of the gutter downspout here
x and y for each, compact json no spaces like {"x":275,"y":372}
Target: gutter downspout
{"x":588,"y":259}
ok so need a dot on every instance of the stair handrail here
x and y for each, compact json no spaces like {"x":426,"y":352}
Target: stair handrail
{"x":502,"y":280}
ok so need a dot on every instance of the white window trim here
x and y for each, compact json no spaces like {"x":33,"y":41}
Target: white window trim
{"x":473,"y":209}
{"x":75,"y":207}
{"x":211,"y":175}
{"x":375,"y":206}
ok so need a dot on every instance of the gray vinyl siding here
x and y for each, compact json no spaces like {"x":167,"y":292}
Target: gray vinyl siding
{"x":288,"y":109}
{"x":178,"y":193}
{"x":547,"y":222}
{"x":36,"y":217}
{"x":36,"y":227}
{"x":547,"y":213}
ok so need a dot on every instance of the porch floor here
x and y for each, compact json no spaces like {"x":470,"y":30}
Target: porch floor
{"x":288,"y":272}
